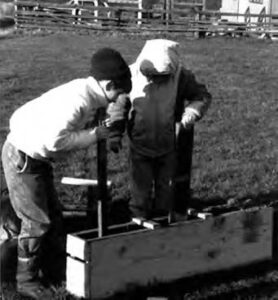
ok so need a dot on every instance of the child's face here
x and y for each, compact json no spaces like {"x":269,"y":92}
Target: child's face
{"x":111,"y":92}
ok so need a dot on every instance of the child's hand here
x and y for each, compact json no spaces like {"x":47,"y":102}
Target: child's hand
{"x":187,"y":125}
{"x":189,"y":117}
{"x":107,"y":122}
{"x":118,"y":111}
{"x":102,"y":133}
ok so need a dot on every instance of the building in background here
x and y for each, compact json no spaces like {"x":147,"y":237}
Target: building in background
{"x":246,"y":8}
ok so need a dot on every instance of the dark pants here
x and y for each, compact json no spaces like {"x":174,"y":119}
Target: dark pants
{"x":151,"y":184}
{"x":35,"y":203}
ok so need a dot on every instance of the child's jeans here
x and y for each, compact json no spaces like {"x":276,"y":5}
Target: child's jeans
{"x":151,"y":177}
{"x":34,"y":201}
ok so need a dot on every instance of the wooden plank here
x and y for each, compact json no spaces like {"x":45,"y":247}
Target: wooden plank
{"x":77,"y":277}
{"x":190,"y":248}
{"x":198,"y":214}
{"x":82,"y":181}
{"x":76,"y":247}
{"x":149,"y":224}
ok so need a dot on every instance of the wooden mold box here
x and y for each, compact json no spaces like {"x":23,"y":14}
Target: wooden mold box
{"x":131,"y":256}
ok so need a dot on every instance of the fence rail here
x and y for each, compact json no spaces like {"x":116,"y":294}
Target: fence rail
{"x":192,"y":18}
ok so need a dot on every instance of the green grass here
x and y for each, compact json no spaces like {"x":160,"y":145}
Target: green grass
{"x":235,"y":153}
{"x":236,"y":145}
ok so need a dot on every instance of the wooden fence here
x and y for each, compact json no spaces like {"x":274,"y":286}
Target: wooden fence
{"x":131,"y":16}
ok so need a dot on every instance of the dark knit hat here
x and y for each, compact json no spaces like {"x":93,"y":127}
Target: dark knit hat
{"x":108,"y":64}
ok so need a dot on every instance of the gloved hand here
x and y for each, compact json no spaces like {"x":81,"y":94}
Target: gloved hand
{"x":118,"y":110}
{"x":102,"y":133}
{"x":189,"y":117}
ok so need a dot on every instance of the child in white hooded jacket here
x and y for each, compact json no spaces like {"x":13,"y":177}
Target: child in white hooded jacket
{"x":164,"y":95}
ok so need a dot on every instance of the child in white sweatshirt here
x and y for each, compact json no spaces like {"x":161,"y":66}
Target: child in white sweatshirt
{"x":41,"y":132}
{"x":164,"y":96}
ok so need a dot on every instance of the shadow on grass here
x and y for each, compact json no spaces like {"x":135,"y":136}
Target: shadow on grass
{"x":6,"y":22}
{"x":7,"y":27}
{"x":259,"y":280}
{"x":219,"y":205}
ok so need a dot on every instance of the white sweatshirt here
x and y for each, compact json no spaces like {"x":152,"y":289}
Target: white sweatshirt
{"x":54,"y":123}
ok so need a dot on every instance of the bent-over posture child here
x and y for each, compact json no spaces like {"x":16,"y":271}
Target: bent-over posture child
{"x":41,"y":132}
{"x":164,"y":94}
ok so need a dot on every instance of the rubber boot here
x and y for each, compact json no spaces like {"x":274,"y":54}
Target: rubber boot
{"x":8,"y":260}
{"x":53,"y":255}
{"x":54,"y":270}
{"x":28,"y":281}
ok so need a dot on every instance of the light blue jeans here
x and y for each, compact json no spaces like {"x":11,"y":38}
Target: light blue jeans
{"x":35,"y":203}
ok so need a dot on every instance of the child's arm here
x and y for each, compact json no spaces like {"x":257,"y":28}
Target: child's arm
{"x":197,"y":97}
{"x":74,"y":140}
{"x":69,"y":133}
{"x":118,"y":113}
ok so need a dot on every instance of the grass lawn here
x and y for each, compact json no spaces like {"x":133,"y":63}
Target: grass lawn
{"x":235,"y":153}
{"x":236,"y":146}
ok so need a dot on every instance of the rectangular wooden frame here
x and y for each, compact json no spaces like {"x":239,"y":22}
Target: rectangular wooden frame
{"x":131,"y":256}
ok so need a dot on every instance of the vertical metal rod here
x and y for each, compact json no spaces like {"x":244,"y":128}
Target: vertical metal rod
{"x":102,"y":181}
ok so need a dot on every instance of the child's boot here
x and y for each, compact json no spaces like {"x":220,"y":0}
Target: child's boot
{"x":54,"y":270}
{"x":8,"y":260}
{"x":28,"y":281}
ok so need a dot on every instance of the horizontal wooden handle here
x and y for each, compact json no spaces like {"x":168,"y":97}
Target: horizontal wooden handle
{"x":200,"y":215}
{"x":150,"y":224}
{"x":82,"y":181}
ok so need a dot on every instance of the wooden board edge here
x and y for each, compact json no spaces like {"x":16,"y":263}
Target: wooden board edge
{"x":76,"y":247}
{"x":77,"y":281}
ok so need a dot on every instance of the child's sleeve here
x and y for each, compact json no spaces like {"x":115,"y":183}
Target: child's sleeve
{"x":68,"y":133}
{"x":193,"y":99}
{"x":118,"y":113}
{"x":73,"y":140}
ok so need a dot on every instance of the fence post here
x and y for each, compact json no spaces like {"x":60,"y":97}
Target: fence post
{"x":204,"y":4}
{"x":196,"y":21}
{"x":139,"y":14}
{"x":74,"y":12}
{"x":270,"y":15}
{"x":16,"y":13}
{"x":96,"y":11}
{"x":167,"y":15}
{"x":171,"y":9}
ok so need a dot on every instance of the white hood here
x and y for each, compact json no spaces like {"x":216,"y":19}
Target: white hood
{"x":158,"y":56}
